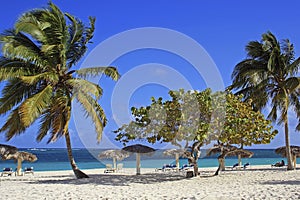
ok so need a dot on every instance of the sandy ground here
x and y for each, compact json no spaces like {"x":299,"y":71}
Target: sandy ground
{"x":258,"y":182}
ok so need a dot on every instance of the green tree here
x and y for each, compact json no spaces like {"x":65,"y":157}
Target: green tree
{"x":183,"y":119}
{"x":38,"y":56}
{"x":242,"y":127}
{"x":269,"y":75}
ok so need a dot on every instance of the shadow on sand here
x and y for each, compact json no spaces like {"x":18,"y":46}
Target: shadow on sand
{"x":116,"y":179}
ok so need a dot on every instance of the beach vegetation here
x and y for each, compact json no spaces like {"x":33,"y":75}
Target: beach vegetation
{"x":268,"y":76}
{"x":182,"y":121}
{"x":193,"y":119}
{"x":37,"y":66}
{"x":242,"y":126}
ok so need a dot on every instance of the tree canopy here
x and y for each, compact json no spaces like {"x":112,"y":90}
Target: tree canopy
{"x":270,"y":72}
{"x":37,"y":67}
{"x":196,"y":118}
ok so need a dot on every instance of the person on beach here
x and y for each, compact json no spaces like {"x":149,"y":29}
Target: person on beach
{"x":279,"y":164}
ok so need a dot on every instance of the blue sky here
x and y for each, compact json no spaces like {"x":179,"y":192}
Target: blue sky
{"x":221,"y":28}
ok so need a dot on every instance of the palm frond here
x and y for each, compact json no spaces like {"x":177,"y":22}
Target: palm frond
{"x":293,"y":68}
{"x":93,"y":110}
{"x":10,"y":69}
{"x":89,"y":32}
{"x":34,"y":106}
{"x":13,"y":93}
{"x":45,"y":125}
{"x":60,"y":116}
{"x":13,"y":125}
{"x":87,"y":87}
{"x":30,"y":24}
{"x":111,"y":72}
{"x":273,"y":113}
{"x":19,"y":46}
{"x":49,"y":77}
{"x":292,"y":84}
{"x":254,"y":49}
{"x":76,"y":45}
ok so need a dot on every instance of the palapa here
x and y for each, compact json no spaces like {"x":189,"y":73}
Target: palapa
{"x":175,"y":152}
{"x":138,"y":149}
{"x":20,"y":156}
{"x":6,"y":150}
{"x":115,"y":154}
{"x":228,"y":150}
{"x":295,"y":151}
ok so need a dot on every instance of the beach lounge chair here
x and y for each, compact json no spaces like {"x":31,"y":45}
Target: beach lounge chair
{"x":28,"y":170}
{"x":186,"y":167}
{"x":246,"y":165}
{"x":235,"y":166}
{"x":109,"y":168}
{"x":7,"y":171}
{"x":167,"y":168}
{"x":278,"y":164}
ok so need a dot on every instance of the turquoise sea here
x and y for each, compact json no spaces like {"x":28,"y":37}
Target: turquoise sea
{"x":56,"y":159}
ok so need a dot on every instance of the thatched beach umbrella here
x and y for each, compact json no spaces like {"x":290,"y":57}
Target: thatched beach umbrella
{"x":229,"y":150}
{"x":176,"y":153}
{"x":20,"y":156}
{"x":6,"y":150}
{"x":138,"y":149}
{"x":295,"y":151}
{"x":240,"y":153}
{"x":115,"y":154}
{"x":243,"y":153}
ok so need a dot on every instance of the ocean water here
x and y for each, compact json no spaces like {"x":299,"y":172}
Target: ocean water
{"x":57,"y":159}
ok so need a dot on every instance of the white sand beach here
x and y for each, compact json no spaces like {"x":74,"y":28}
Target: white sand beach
{"x":258,"y":182}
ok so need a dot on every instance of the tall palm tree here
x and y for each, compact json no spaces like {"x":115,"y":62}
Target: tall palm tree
{"x":36,"y":66}
{"x":269,"y":75}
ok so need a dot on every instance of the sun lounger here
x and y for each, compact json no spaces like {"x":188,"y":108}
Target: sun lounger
{"x":186,"y":168}
{"x":7,"y":171}
{"x":28,"y":170}
{"x":278,"y":164}
{"x":232,"y":167}
{"x":246,"y":165}
{"x":167,"y":168}
{"x":109,"y":168}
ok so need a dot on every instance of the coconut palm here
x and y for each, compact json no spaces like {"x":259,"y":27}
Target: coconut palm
{"x":37,"y":65}
{"x":268,"y":75}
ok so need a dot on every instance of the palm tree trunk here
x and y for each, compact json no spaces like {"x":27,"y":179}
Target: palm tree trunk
{"x":79,"y":174}
{"x":287,"y":144}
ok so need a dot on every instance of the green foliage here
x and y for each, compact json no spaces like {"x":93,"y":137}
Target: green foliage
{"x":38,"y":55}
{"x":183,"y":118}
{"x":198,"y":116}
{"x":243,"y":126}
{"x":269,"y":75}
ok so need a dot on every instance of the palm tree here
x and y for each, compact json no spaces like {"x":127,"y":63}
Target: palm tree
{"x":268,"y":75}
{"x":40,"y":83}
